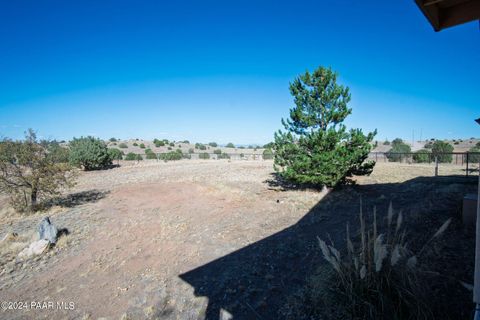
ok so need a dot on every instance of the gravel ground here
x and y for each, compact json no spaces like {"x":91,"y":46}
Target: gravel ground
{"x":194,"y":239}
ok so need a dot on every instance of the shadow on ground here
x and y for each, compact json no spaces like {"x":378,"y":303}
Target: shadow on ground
{"x":259,"y":280}
{"x":77,"y":199}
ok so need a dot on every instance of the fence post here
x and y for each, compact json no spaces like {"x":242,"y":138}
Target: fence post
{"x":467,"y":164}
{"x":436,"y":166}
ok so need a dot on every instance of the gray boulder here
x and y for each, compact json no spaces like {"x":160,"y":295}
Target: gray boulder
{"x":47,"y":231}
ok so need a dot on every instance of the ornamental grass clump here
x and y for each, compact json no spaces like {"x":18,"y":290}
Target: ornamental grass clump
{"x":377,"y":277}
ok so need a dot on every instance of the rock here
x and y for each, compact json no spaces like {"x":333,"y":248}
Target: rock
{"x":35,"y":248}
{"x":47,"y":231}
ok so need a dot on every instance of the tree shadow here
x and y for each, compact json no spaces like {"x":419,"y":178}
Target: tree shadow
{"x":76,"y":199}
{"x":259,"y":280}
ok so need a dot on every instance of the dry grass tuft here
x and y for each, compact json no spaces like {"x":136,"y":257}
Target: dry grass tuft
{"x":377,"y":279}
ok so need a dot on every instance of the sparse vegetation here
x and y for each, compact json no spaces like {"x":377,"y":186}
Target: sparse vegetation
{"x":217,"y":151}
{"x":379,"y":275}
{"x":123,"y":145}
{"x":316,"y":148}
{"x":89,"y":153}
{"x":191,"y":151}
{"x":386,"y":143}
{"x":29,"y":172}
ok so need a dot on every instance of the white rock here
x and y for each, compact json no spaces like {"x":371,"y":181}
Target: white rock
{"x":35,"y":248}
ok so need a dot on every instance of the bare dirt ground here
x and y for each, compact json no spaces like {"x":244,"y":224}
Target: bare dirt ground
{"x":193,"y":239}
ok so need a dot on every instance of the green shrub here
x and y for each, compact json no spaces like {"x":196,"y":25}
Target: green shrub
{"x":142,"y":145}
{"x":398,"y":147}
{"x":386,"y":143}
{"x":456,"y":142}
{"x":171,"y":144}
{"x":230,"y":145}
{"x":158,"y":143}
{"x":223,"y":156}
{"x":213,"y":144}
{"x":186,"y":141}
{"x":133,"y":157}
{"x":150,"y":155}
{"x":475,"y":158}
{"x":200,"y":146}
{"x":217,"y":151}
{"x":173,"y":155}
{"x":204,"y":155}
{"x":422,"y":156}
{"x":169,"y":148}
{"x":477,"y":144}
{"x":123,"y":145}
{"x":440,"y":147}
{"x":191,"y":150}
{"x":115,"y":154}
{"x":113,"y":140}
{"x":89,"y":153}
{"x":267,"y":154}
{"x":242,"y":155}
{"x":135,"y":144}
{"x":56,"y":152}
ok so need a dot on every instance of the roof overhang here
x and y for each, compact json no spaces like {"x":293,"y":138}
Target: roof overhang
{"x":448,"y":13}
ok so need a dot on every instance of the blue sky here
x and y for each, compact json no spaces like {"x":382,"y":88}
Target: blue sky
{"x":220,"y":70}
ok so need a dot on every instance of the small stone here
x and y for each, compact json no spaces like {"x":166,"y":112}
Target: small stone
{"x":35,"y":248}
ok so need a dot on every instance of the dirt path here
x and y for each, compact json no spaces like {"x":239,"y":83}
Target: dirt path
{"x":142,"y":235}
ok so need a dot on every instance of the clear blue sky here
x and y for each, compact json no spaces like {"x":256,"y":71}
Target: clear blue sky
{"x":220,"y":70}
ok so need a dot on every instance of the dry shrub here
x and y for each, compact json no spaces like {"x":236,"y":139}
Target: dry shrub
{"x":377,"y":278}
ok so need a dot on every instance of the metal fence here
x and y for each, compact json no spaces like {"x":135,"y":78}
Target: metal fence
{"x":465,"y":161}
{"x":208,"y":155}
{"x":468,"y":161}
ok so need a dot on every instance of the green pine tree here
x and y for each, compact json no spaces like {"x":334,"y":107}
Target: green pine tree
{"x":317,"y":148}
